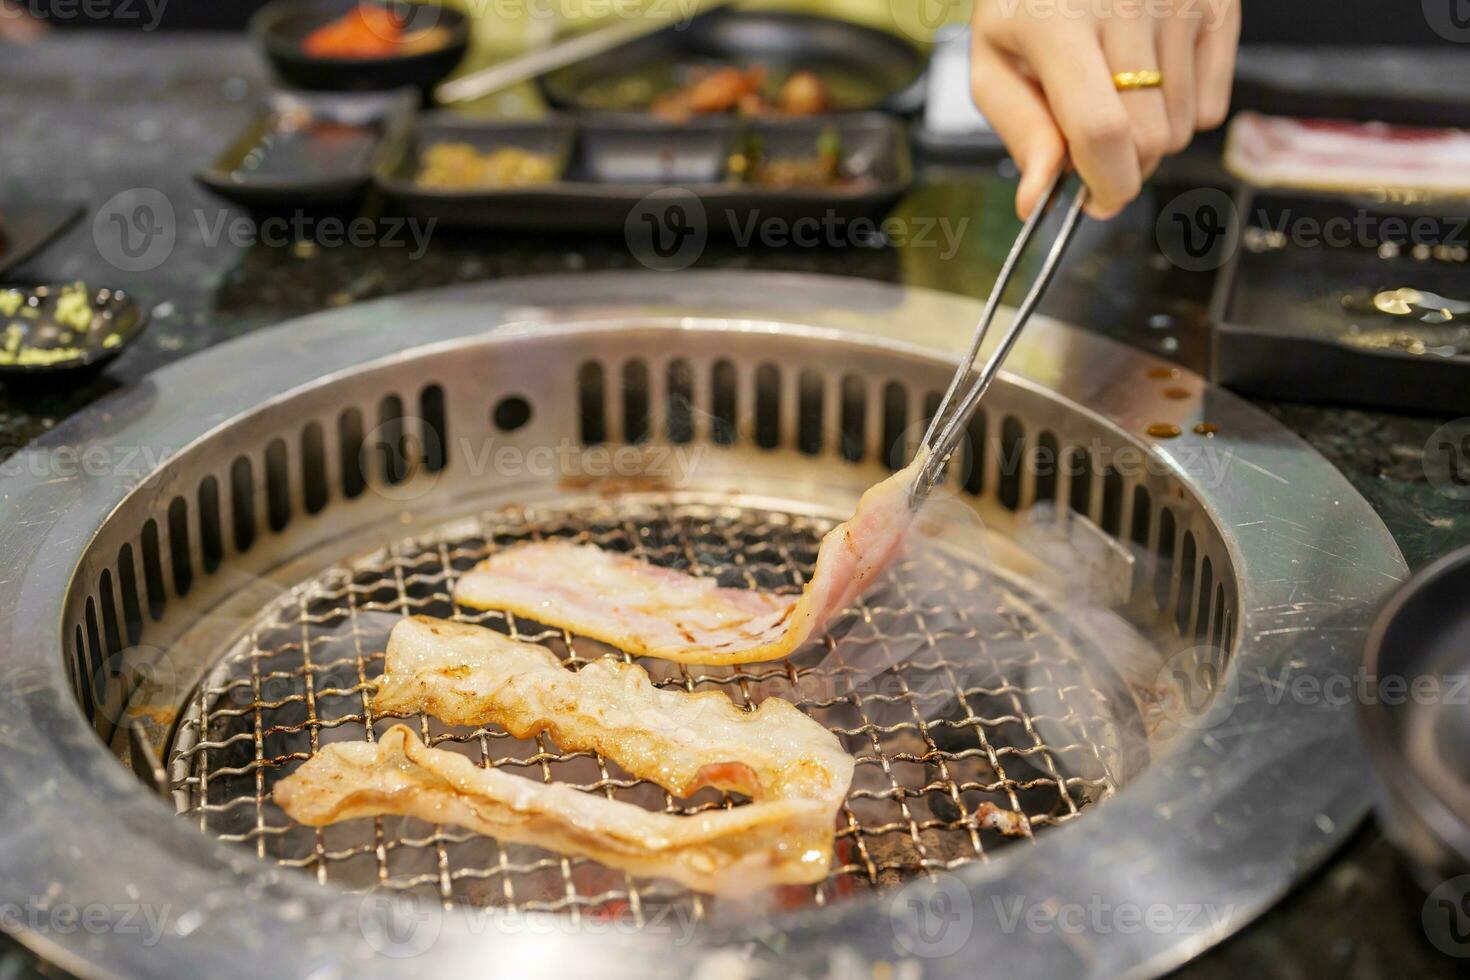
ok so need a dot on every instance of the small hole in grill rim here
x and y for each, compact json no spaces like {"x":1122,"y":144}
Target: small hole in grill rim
{"x":350,"y":438}
{"x":277,"y":486}
{"x":854,"y":418}
{"x":211,"y":536}
{"x":94,"y":652}
{"x":1112,"y":502}
{"x":1138,"y":532}
{"x":1164,"y":559}
{"x":242,"y":503}
{"x":975,"y":454}
{"x":434,"y":427}
{"x":178,"y":545}
{"x":679,"y":411}
{"x":1079,"y":465}
{"x":511,"y":413}
{"x":1187,"y":599}
{"x":1205,"y":601}
{"x":895,"y":449}
{"x":1217,"y":634}
{"x":392,"y":442}
{"x":111,"y":631}
{"x":1047,"y":459}
{"x":590,"y":397}
{"x":1012,"y":450}
{"x":82,"y":676}
{"x":809,"y":414}
{"x":313,"y":468}
{"x":127,"y":577}
{"x":724,"y":422}
{"x":635,"y":402}
{"x":153,"y":569}
{"x":767,"y":406}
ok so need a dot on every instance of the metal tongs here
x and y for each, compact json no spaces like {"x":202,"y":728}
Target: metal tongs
{"x":946,"y":429}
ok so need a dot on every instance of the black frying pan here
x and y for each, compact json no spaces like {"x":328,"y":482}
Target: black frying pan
{"x":1414,"y":714}
{"x":864,"y":68}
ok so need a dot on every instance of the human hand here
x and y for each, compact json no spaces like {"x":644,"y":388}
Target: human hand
{"x":1042,"y":72}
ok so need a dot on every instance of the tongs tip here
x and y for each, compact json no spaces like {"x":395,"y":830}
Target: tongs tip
{"x":954,"y":411}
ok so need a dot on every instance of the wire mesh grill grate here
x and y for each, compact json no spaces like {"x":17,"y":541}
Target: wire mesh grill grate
{"x":955,"y":692}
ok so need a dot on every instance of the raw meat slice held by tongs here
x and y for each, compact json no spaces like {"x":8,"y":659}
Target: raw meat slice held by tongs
{"x":648,"y":610}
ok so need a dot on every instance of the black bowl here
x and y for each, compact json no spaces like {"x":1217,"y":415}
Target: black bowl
{"x":40,"y":346}
{"x":1417,"y":732}
{"x":282,"y":28}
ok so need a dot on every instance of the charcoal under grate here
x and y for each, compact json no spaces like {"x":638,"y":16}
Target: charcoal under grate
{"x":950,"y":686}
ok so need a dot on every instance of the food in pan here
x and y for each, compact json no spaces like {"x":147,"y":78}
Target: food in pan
{"x":660,"y":612}
{"x":793,"y":769}
{"x":1329,"y":154}
{"x":460,"y":165}
{"x":753,"y":166}
{"x":370,"y":31}
{"x":743,"y":90}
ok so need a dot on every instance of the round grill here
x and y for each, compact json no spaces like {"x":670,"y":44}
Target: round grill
{"x":1087,"y":648}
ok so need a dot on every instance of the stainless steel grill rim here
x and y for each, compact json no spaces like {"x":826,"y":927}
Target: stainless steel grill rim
{"x":1285,"y":509}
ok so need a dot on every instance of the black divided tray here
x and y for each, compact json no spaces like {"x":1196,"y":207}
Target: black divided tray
{"x":1294,"y":314}
{"x":605,"y":168}
{"x":308,"y":149}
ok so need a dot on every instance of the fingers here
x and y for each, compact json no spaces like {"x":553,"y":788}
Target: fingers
{"x":1099,"y":131}
{"x":1015,"y":108}
{"x":1128,"y":44}
{"x":1177,"y":37}
{"x":1215,"y":66}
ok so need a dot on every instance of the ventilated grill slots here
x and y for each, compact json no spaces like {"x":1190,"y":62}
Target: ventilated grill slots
{"x":988,"y":704}
{"x":192,"y":533}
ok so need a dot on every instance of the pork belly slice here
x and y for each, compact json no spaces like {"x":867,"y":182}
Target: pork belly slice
{"x":469,"y":675}
{"x":795,"y":771}
{"x":651,"y":611}
{"x":1333,"y":154}
{"x":720,"y":852}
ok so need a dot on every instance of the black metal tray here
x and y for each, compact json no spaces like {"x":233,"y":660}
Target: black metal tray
{"x":864,"y":68}
{"x":604,"y":169}
{"x":27,"y":228}
{"x":309,"y":149}
{"x":1293,"y":313}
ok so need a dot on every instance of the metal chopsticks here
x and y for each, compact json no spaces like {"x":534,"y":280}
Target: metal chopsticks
{"x":953,"y":415}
